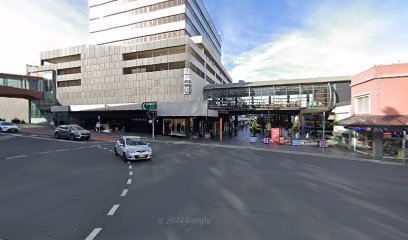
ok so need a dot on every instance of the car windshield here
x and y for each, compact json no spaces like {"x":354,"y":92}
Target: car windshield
{"x":135,"y":142}
{"x":6,"y":123}
{"x":76,"y":127}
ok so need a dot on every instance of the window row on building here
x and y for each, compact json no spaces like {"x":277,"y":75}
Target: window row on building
{"x":148,"y":38}
{"x":279,"y":97}
{"x":149,"y":8}
{"x":64,"y":59}
{"x":22,"y":83}
{"x":196,"y":32}
{"x":149,"y":23}
{"x":100,"y":4}
{"x":211,"y":34}
{"x":155,"y":67}
{"x":69,"y":83}
{"x":197,"y":70}
{"x":67,"y":71}
{"x":154,"y":53}
{"x":197,"y":56}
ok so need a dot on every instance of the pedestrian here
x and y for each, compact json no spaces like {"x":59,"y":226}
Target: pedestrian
{"x":52,"y":124}
{"x":98,"y":127}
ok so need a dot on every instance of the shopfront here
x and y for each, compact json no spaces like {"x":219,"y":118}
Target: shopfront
{"x":383,"y":137}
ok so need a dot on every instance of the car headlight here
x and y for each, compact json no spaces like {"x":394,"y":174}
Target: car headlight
{"x":131,"y":151}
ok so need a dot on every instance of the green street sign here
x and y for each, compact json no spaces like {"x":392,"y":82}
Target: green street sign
{"x":150,"y":106}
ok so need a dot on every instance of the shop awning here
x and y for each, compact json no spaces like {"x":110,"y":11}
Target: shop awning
{"x":375,"y":121}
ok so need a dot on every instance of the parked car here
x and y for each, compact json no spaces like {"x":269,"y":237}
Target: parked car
{"x":133,"y":148}
{"x":8,"y":127}
{"x":72,"y":132}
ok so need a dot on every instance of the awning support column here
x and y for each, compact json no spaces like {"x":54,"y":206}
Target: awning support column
{"x":378,"y":143}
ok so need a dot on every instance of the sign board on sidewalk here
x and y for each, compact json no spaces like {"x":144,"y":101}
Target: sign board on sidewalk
{"x":275,"y":134}
{"x":150,"y":106}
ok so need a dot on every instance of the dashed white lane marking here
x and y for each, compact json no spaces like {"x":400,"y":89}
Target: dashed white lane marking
{"x":131,"y":173}
{"x":128,"y":162}
{"x":40,"y":153}
{"x":45,"y":138}
{"x":110,"y":150}
{"x":129,"y":181}
{"x":93,"y":234}
{"x":130,"y":167}
{"x":113,"y":210}
{"x":125,"y":191}
{"x":62,"y":150}
{"x":20,"y":156}
{"x":80,"y":147}
{"x":105,"y":149}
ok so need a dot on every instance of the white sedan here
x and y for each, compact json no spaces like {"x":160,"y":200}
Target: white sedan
{"x":132,"y":148}
{"x":8,"y":127}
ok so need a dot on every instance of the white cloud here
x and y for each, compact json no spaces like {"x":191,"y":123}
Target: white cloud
{"x":31,"y":26}
{"x":335,"y":41}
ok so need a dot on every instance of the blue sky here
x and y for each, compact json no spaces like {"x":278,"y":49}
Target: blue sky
{"x":262,"y":40}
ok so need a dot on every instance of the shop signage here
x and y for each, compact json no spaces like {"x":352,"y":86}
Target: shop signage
{"x":149,"y":106}
{"x":187,"y":81}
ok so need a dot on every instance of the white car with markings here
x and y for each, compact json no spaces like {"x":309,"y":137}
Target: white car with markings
{"x":8,"y":127}
{"x":133,"y":148}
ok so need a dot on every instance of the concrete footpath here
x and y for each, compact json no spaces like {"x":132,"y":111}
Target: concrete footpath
{"x":241,"y":141}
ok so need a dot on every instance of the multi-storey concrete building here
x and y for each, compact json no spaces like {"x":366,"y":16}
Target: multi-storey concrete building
{"x":142,"y":51}
{"x":130,"y":22}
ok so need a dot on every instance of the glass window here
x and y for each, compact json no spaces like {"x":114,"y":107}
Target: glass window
{"x":362,"y":104}
{"x":76,"y":127}
{"x":135,"y":142}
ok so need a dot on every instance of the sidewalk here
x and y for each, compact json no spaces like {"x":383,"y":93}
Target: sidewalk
{"x":241,"y":141}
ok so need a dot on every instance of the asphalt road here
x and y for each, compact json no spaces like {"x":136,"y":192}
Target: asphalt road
{"x":80,"y":190}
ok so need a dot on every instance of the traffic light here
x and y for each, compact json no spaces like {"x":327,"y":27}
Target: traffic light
{"x":152,"y":115}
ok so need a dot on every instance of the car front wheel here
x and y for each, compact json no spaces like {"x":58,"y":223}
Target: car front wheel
{"x":72,"y":137}
{"x":56,"y":135}
{"x":116,"y":152}
{"x":124,"y":157}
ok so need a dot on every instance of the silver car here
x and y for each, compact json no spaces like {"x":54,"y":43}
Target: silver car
{"x":133,"y":148}
{"x":72,"y":132}
{"x":8,"y":127}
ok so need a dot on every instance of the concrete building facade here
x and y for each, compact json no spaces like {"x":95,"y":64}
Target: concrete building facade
{"x":141,"y":51}
{"x":133,"y":22}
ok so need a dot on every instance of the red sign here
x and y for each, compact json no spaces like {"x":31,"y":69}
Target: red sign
{"x":275,"y":135}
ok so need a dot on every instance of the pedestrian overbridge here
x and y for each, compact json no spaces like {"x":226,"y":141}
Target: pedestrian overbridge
{"x":19,"y":86}
{"x":311,"y":95}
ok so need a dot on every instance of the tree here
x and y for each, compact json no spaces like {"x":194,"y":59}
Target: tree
{"x":262,"y":123}
{"x":254,"y":130}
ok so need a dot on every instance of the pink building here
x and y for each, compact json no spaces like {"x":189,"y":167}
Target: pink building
{"x":381,"y":91}
{"x":379,"y":121}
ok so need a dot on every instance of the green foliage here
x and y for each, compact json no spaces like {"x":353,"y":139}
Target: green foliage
{"x":254,"y":130}
{"x":262,"y":122}
{"x":296,"y":128}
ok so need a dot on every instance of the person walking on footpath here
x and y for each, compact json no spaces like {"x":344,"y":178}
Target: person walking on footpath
{"x":98,"y":127}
